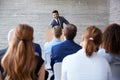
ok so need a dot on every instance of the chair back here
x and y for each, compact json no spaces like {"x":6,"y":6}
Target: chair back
{"x":47,"y":61}
{"x":57,"y":71}
{"x":115,"y":68}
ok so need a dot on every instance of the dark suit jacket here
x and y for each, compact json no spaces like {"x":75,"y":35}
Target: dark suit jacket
{"x":2,"y":52}
{"x":38,"y":49}
{"x":61,"y":21}
{"x":62,"y":50}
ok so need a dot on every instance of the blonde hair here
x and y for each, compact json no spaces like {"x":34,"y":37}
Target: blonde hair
{"x":19,"y":61}
{"x":57,"y":31}
{"x":93,"y":37}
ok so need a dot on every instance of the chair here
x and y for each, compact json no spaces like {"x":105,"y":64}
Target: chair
{"x":47,"y":61}
{"x":115,"y":68}
{"x":57,"y":71}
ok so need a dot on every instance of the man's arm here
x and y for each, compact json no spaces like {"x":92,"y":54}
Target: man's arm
{"x":53,"y":23}
{"x":65,"y":20}
{"x":41,"y":73}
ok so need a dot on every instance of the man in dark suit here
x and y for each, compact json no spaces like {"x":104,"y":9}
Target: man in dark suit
{"x":65,"y":48}
{"x":58,"y":20}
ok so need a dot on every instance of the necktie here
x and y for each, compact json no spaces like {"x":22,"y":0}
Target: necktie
{"x":58,"y":22}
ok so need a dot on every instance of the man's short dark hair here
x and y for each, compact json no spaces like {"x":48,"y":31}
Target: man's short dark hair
{"x":55,"y":11}
{"x":70,"y":31}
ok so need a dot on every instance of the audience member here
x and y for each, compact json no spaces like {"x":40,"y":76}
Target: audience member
{"x":111,"y":48}
{"x":2,"y":52}
{"x":37,"y":47}
{"x":20,"y":61}
{"x":9,"y":36}
{"x":65,"y":48}
{"x":58,"y":20}
{"x":57,"y":32}
{"x":86,"y":64}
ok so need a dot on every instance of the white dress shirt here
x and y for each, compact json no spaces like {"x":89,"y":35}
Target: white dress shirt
{"x":80,"y":67}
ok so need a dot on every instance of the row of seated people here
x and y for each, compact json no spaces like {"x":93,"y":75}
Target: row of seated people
{"x":98,"y":57}
{"x":85,"y":63}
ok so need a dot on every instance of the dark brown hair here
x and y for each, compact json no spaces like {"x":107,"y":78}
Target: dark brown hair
{"x":57,"y":31}
{"x":70,"y":31}
{"x":93,"y":38}
{"x":111,"y":39}
{"x":55,"y":11}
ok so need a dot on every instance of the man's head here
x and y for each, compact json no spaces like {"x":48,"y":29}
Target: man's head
{"x":70,"y":31}
{"x":57,"y":30}
{"x":55,"y":14}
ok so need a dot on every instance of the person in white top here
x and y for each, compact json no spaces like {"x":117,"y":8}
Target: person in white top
{"x":110,"y":48}
{"x":86,"y":64}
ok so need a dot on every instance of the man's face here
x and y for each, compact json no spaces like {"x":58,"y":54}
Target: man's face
{"x":55,"y":15}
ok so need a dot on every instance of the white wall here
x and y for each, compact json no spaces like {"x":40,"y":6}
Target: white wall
{"x":115,"y":11}
{"x":37,"y":13}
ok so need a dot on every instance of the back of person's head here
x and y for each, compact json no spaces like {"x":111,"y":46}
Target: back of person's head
{"x":70,"y":31}
{"x":19,"y":61}
{"x":111,"y":39}
{"x":57,"y":31}
{"x":10,"y":35}
{"x":55,"y":11}
{"x":93,"y":38}
{"x":24,"y":32}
